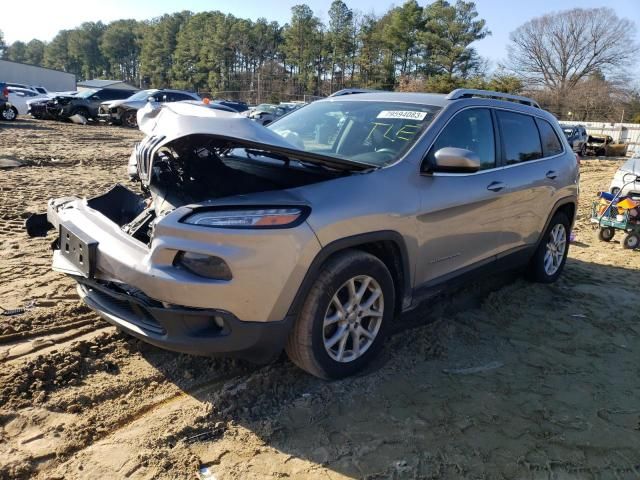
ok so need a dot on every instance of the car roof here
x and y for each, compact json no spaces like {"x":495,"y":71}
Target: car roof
{"x":436,"y":99}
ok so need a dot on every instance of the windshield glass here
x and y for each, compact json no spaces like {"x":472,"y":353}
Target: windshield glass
{"x":142,"y":95}
{"x":86,"y":93}
{"x":567,"y":131}
{"x":376,"y":133}
{"x":265,"y":107}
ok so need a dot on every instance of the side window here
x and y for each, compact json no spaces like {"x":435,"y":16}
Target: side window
{"x":471,"y":129}
{"x":520,"y":137}
{"x":550,"y":144}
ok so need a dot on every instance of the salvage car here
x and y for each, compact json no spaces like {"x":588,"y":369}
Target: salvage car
{"x":20,"y":96}
{"x":577,"y":137}
{"x":621,"y":185}
{"x":84,"y":103}
{"x":123,"y":112}
{"x":266,"y":113}
{"x":605,"y":146}
{"x":7,"y":111}
{"x":247,"y":240}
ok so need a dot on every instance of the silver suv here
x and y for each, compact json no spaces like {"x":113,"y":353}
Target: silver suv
{"x":315,"y":233}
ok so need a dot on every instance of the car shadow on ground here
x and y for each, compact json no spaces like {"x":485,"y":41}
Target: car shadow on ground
{"x":23,"y":125}
{"x":502,"y":377}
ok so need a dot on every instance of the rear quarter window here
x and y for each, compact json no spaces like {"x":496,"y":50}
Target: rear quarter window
{"x":519,"y":136}
{"x":550,"y":142}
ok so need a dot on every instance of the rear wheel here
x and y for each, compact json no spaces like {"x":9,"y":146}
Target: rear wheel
{"x":345,"y":317}
{"x":606,"y":234}
{"x":129,"y":119}
{"x":548,"y":261}
{"x":631,"y":241}
{"x":615,"y":190}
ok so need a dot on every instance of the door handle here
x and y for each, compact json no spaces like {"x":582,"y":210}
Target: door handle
{"x":552,"y":174}
{"x":496,"y":186}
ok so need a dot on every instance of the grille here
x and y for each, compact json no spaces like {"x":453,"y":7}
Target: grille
{"x":128,"y":310}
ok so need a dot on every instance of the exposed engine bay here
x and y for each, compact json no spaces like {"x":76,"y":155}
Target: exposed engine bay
{"x":202,"y":168}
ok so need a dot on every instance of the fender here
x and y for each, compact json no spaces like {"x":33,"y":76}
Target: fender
{"x":350,"y":242}
{"x":563,"y":201}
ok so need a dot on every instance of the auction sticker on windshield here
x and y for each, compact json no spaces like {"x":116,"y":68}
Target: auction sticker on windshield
{"x":406,"y":114}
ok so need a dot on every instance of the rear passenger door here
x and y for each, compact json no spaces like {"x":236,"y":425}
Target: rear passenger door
{"x":530,"y":147}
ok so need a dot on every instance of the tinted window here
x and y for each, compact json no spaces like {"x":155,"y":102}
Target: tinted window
{"x":472,"y":130}
{"x":177,"y":97}
{"x":520,"y":137}
{"x":550,"y":143}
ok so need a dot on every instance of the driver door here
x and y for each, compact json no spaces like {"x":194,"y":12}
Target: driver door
{"x":461,"y":217}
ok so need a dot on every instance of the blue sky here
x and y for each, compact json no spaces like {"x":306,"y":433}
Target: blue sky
{"x":43,"y":18}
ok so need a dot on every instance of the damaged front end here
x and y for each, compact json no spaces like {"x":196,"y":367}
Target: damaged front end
{"x":173,"y":264}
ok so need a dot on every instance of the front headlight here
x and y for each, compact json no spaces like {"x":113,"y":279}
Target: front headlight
{"x":250,"y":218}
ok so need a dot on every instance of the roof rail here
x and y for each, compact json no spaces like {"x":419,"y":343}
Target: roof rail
{"x":471,"y":92}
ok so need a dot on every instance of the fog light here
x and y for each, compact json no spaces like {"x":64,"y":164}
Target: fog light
{"x":207,"y":266}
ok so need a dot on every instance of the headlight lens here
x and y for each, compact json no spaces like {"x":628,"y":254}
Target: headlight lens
{"x":272,"y":217}
{"x":207,"y":266}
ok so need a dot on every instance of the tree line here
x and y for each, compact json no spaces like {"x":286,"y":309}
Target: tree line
{"x":574,"y":62}
{"x":217,"y":52}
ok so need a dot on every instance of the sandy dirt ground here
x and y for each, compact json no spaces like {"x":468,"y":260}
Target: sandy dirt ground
{"x":502,"y":379}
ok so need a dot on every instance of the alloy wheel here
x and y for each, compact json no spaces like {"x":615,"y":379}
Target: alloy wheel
{"x":556,"y":245}
{"x":353,"y":319}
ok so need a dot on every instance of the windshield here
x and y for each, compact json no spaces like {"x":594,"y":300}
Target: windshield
{"x":567,"y":131}
{"x":376,"y":133}
{"x":265,"y":107}
{"x":86,"y":93}
{"x":142,"y":95}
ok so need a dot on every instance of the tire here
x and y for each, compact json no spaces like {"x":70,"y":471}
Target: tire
{"x":80,"y":111}
{"x":606,"y":234}
{"x":10,"y":114}
{"x":538,"y":271}
{"x":615,"y":190}
{"x":309,"y":344}
{"x":583,"y":150}
{"x":631,"y":241}
{"x":129,"y":119}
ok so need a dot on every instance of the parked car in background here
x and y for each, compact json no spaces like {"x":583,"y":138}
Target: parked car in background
{"x":84,"y":103}
{"x":624,"y":174}
{"x":35,"y":88}
{"x":577,"y":137}
{"x":237,"y":106}
{"x":265,"y":113}
{"x":20,"y":96}
{"x":606,"y":146}
{"x":7,"y":111}
{"x":248,"y":240}
{"x":123,"y":111}
{"x":37,"y":106}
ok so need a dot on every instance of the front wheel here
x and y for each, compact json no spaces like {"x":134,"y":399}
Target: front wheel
{"x":550,"y":256}
{"x":345,"y":317}
{"x":129,"y":119}
{"x":631,"y":241}
{"x":10,"y":114}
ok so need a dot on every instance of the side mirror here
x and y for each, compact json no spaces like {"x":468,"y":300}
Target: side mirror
{"x":455,"y":160}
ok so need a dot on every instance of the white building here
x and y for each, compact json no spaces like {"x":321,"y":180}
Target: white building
{"x":52,"y":80}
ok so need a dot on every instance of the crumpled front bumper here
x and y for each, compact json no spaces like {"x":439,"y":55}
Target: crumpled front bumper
{"x":207,"y":332}
{"x":267,"y":268}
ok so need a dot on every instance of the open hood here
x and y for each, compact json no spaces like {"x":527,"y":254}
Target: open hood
{"x":166,"y":123}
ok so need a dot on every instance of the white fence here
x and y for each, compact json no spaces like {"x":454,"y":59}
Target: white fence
{"x":621,"y":132}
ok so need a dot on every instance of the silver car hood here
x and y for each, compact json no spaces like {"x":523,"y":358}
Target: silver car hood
{"x":168,"y":122}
